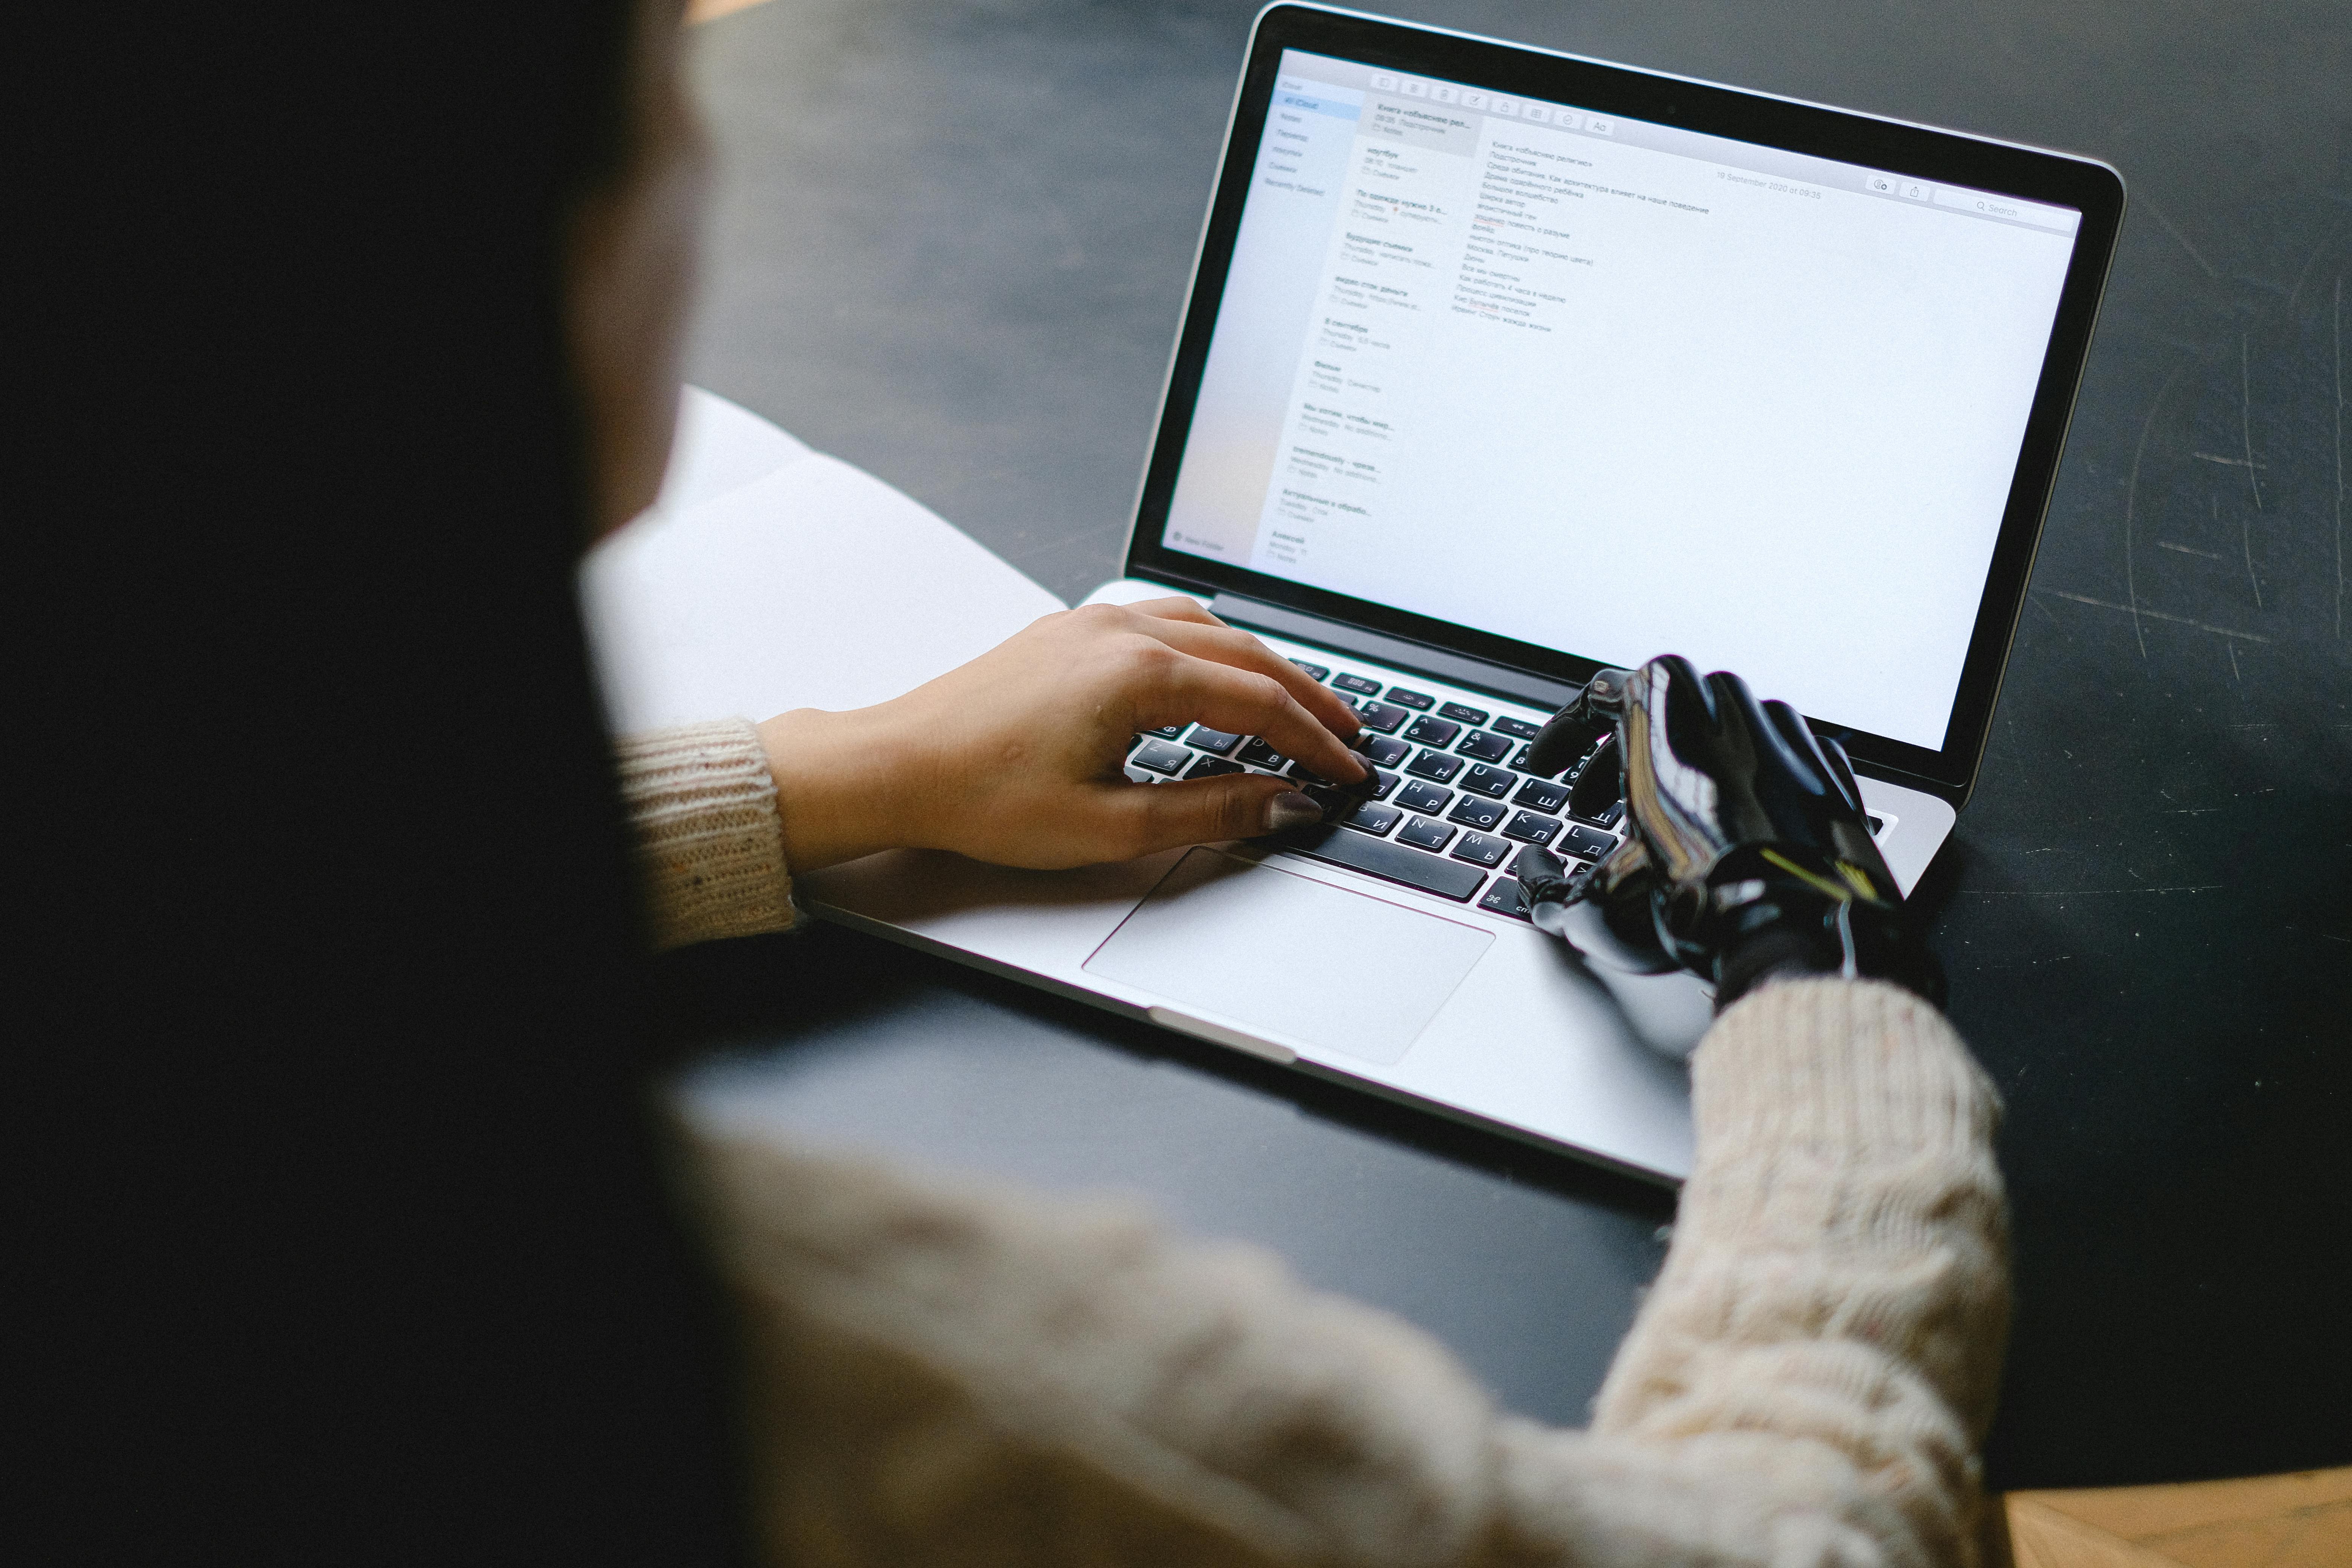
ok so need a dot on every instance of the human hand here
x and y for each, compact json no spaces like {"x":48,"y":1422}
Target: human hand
{"x":1749,"y":856}
{"x":1017,"y":757}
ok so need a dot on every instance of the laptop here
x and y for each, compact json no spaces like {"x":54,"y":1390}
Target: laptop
{"x":1501,"y":366}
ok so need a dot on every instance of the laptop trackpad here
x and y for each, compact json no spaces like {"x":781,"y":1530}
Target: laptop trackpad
{"x":1269,"y":951}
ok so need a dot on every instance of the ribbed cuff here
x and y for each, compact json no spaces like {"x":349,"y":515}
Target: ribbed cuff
{"x":1844,"y":1221}
{"x":711,"y":847}
{"x":1859,"y":1067}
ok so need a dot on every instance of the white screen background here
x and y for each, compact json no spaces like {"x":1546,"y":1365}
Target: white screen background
{"x":1618,"y":401}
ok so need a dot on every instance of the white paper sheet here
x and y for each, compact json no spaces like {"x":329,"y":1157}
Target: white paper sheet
{"x":720,"y":446}
{"x":771,"y":577}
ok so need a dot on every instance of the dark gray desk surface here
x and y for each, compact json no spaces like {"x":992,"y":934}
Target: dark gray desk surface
{"x":951,"y":242}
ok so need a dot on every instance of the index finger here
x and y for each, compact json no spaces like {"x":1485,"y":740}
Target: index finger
{"x":1227,"y":645}
{"x":1246,"y":702}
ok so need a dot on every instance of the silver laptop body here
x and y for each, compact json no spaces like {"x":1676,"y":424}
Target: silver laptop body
{"x":1501,"y":365}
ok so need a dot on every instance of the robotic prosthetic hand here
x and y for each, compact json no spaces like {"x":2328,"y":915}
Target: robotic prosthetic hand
{"x":1748,"y":856}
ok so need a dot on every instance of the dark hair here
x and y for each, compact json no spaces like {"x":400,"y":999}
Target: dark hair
{"x":350,"y":1244}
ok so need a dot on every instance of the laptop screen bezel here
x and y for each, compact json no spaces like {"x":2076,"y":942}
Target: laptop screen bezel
{"x":1941,"y":157}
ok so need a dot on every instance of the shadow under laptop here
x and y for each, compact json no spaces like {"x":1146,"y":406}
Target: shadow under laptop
{"x":1527,"y":1262}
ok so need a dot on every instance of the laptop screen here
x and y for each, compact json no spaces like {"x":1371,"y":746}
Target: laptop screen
{"x":1618,"y":388}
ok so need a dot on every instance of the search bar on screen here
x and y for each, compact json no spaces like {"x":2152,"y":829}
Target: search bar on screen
{"x":2064,"y":219}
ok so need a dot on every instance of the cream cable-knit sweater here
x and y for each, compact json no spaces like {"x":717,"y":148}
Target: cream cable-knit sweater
{"x":952,"y":1372}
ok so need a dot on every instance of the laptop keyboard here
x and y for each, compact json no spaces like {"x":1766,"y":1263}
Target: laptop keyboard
{"x":1453,"y":806}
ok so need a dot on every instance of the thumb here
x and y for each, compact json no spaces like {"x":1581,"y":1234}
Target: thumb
{"x":1203,"y":811}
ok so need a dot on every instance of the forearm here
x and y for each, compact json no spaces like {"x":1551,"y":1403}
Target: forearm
{"x":1836,"y":1298}
{"x":946,"y":1371}
{"x":959,"y":1373}
{"x":954,"y":1372}
{"x":710,"y":840}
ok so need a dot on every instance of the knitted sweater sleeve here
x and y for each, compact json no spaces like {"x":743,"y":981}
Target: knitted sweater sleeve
{"x":950,"y":1373}
{"x":710,"y":847}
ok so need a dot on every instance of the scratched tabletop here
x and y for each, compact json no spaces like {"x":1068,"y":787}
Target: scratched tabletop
{"x":949,"y":243}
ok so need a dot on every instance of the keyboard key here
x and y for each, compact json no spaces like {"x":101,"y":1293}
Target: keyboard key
{"x":1484,"y":746}
{"x":1210,"y":767}
{"x":1504,"y":899}
{"x":1381,"y":718}
{"x":1463,"y":713}
{"x":1877,"y":825}
{"x":1541,"y":794}
{"x":1167,"y":731}
{"x":1424,"y":797}
{"x":1160,"y":757}
{"x":1216,"y":741}
{"x":1491,"y":782}
{"x":1258,"y":755}
{"x":1481,"y":850}
{"x":1607,"y":817}
{"x":1518,"y":729}
{"x":1314,"y":671}
{"x":1433,"y":732}
{"x":1357,"y":684}
{"x":1475,"y":811}
{"x":1418,"y":700}
{"x":1519,"y":758}
{"x":1585,"y":842}
{"x":1434,"y":766}
{"x":1386,"y":859}
{"x":1307,"y":775}
{"x":1303,"y":774}
{"x":1372,"y":818}
{"x":1386,"y":750}
{"x":1381,"y":783}
{"x":1423,"y":834}
{"x":1528,"y":827}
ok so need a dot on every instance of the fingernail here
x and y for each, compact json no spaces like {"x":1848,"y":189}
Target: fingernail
{"x":1290,"y":810}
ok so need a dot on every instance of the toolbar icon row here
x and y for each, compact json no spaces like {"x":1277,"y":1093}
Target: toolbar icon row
{"x":1495,"y":103}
